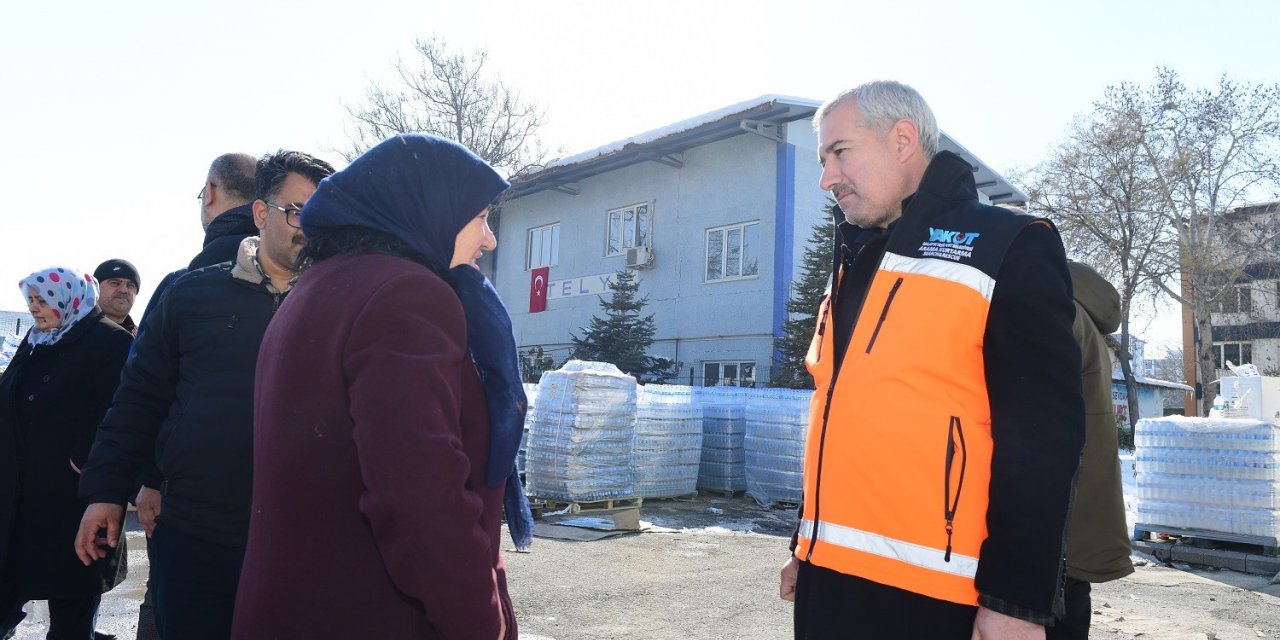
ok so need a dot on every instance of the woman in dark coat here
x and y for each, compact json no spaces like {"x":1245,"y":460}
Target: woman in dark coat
{"x":52,"y":396}
{"x":387,"y":414}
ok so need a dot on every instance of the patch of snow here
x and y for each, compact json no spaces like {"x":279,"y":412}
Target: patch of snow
{"x":8,"y":347}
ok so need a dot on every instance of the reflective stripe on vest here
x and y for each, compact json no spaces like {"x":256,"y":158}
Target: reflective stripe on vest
{"x":913,"y":554}
{"x":943,"y":270}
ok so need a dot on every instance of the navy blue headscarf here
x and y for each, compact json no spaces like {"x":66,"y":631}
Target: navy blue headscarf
{"x":423,"y":190}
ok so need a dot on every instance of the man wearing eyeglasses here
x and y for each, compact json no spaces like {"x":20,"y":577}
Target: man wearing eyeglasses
{"x":226,"y":214}
{"x":226,"y":208}
{"x":186,"y":401}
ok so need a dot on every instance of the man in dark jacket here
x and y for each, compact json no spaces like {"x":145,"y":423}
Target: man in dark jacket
{"x":948,"y":420}
{"x":186,"y":402}
{"x":1098,"y":544}
{"x":226,"y":214}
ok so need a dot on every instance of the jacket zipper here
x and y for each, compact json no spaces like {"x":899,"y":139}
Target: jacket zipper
{"x":822,"y":438}
{"x":884,"y":313}
{"x":831,"y":390}
{"x":955,"y":433}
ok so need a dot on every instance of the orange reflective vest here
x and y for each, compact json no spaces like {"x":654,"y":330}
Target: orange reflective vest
{"x":898,"y":458}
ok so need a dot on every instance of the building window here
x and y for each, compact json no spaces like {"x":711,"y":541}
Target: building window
{"x":1236,"y":353}
{"x":733,"y":252}
{"x":728,"y":374}
{"x":629,"y":227}
{"x":1236,"y":299}
{"x":544,"y":246}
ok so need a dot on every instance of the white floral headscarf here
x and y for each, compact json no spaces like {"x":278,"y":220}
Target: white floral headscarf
{"x":70,"y":293}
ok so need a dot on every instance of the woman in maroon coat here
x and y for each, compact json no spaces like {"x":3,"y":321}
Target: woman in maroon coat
{"x":375,"y":510}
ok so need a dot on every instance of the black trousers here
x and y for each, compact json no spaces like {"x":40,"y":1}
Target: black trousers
{"x":194,"y":585}
{"x":73,"y":618}
{"x":69,"y":618}
{"x":1079,"y":610}
{"x":831,"y":605}
{"x":147,"y":610}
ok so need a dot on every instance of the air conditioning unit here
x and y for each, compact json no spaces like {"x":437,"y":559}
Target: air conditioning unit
{"x":639,"y":257}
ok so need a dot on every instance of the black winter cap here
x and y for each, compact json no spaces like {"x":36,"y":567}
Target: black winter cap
{"x":117,"y":268}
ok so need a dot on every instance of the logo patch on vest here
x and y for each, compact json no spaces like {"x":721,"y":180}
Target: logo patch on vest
{"x":949,"y":245}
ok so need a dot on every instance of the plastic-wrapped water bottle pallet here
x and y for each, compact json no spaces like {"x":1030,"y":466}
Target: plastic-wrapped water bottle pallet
{"x":591,"y":505}
{"x":1268,"y":545}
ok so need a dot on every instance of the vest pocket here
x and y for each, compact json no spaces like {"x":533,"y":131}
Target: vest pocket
{"x":884,"y":313}
{"x":951,"y":502}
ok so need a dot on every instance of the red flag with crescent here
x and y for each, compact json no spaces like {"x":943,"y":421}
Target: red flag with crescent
{"x":538,"y":289}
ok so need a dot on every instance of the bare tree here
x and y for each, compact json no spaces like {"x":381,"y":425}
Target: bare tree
{"x":1182,"y":162}
{"x":1097,"y":188}
{"x":452,"y":95}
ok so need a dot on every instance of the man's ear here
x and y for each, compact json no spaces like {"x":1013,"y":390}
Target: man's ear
{"x":260,"y":214}
{"x":210,"y":194}
{"x":905,"y":138}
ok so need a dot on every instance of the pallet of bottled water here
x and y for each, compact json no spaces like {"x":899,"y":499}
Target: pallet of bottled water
{"x":668,"y":441}
{"x":531,"y":395}
{"x":723,"y":465}
{"x":581,"y":435}
{"x":1211,"y":474}
{"x":777,"y":420}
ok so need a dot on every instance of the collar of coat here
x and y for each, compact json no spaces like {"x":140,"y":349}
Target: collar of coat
{"x":232,"y":222}
{"x":248,"y":269}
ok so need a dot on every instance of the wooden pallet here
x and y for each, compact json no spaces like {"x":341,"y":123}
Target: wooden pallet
{"x":722,"y":493}
{"x":688,"y":497}
{"x":552,"y":506}
{"x":1266,"y":545}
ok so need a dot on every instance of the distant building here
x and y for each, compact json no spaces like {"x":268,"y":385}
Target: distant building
{"x":1153,"y":394}
{"x":714,"y":211}
{"x":1246,"y":316}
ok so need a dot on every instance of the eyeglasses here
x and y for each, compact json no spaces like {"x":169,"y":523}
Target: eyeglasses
{"x":200,"y":196}
{"x":292,"y":213}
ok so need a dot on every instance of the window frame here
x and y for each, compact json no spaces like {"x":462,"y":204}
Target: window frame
{"x":1241,"y":346}
{"x":738,"y":365}
{"x":1239,"y":299}
{"x":554,"y":228}
{"x":741,"y":227}
{"x":635,"y":207}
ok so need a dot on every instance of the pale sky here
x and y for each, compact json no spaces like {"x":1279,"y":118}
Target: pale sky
{"x":111,"y":112}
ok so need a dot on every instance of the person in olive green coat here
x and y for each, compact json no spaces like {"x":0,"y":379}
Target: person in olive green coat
{"x":1097,"y":537}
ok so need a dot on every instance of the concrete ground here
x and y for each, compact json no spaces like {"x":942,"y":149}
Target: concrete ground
{"x":707,"y":569}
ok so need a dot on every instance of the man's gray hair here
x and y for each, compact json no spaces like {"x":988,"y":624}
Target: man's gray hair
{"x":881,"y":103}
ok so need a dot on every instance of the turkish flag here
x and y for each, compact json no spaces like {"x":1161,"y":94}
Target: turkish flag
{"x":538,"y":289}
